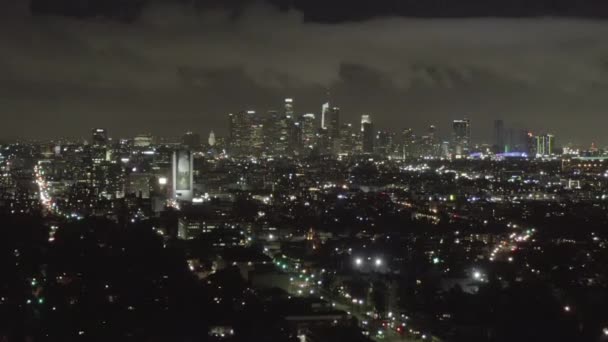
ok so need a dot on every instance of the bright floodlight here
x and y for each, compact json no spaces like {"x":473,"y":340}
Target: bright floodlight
{"x":477,"y":275}
{"x":358,"y":261}
{"x":378,"y":262}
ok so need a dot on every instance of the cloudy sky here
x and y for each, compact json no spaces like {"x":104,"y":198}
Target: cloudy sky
{"x":169,"y":66}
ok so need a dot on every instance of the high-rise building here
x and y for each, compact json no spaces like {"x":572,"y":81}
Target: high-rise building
{"x":191,"y":140}
{"x":183,"y":188}
{"x":550,"y":147}
{"x":499,"y":136}
{"x":289,"y":108}
{"x":295,"y":137}
{"x":367,"y":134}
{"x":99,"y":137}
{"x":241,"y":132}
{"x":308,"y":131}
{"x":383,"y":143}
{"x":348,"y":139}
{"x":324,"y":110}
{"x":461,"y":136}
{"x":257,"y":139}
{"x":408,"y":143}
{"x":545,"y":145}
{"x":211,"y":141}
{"x":431,"y":133}
{"x":333,"y":129}
{"x":277,"y":132}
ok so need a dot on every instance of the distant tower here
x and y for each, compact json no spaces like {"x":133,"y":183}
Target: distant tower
{"x":289,"y":107}
{"x":324,"y":114}
{"x":462,"y":136}
{"x":99,"y":137}
{"x":499,"y":136}
{"x":308,"y":131}
{"x":211,"y":139}
{"x":367,"y":134}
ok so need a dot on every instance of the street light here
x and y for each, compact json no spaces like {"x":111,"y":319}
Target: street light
{"x":378,"y":262}
{"x":358,"y":261}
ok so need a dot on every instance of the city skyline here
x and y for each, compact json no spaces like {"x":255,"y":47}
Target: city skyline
{"x":304,"y":170}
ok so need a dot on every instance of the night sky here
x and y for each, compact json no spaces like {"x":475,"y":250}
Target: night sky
{"x":165,"y":67}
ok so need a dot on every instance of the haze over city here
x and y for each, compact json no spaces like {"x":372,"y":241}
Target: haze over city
{"x":175,"y":66}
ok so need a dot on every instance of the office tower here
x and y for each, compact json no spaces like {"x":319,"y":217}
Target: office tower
{"x":289,"y":108}
{"x":431,"y":133}
{"x":292,"y":133}
{"x":332,"y":125}
{"x":540,"y":146}
{"x":545,"y":145}
{"x":308,"y":131}
{"x":99,"y":137}
{"x":99,"y":143}
{"x":428,"y":145}
{"x":324,"y":110}
{"x":277,"y":132}
{"x":408,"y":141}
{"x":183,"y":188}
{"x":211,"y":140}
{"x":191,"y":140}
{"x":295,"y":137}
{"x":445,"y":149}
{"x":367,"y":134}
{"x":348,"y":139}
{"x":241,"y":132}
{"x":461,"y":136}
{"x":499,"y":136}
{"x":550,"y":144}
{"x":530,"y":144}
{"x":257,"y":139}
{"x":382,"y":143}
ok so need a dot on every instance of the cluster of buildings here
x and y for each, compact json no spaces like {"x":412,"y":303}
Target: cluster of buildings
{"x":325,"y":222}
{"x":286,"y":134}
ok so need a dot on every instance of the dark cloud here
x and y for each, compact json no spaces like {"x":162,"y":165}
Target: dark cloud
{"x":175,"y":67}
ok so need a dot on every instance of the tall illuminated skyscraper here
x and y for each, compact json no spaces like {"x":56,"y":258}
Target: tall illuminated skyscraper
{"x":308,"y":131}
{"x":545,"y":145}
{"x":211,"y":141}
{"x":367,"y":134}
{"x":324,"y":111}
{"x":289,"y":107}
{"x":183,"y":188}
